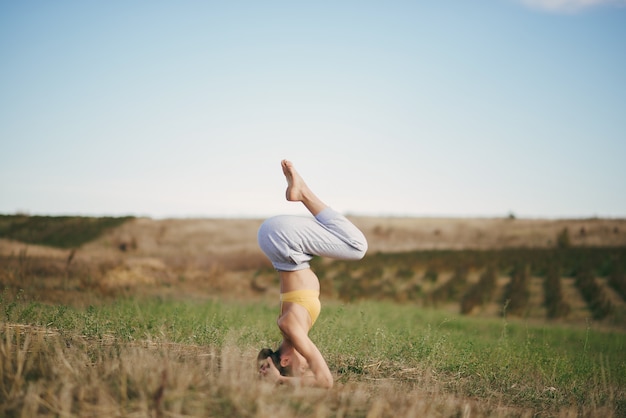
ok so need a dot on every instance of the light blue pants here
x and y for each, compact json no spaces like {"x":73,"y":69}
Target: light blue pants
{"x":290,"y":241}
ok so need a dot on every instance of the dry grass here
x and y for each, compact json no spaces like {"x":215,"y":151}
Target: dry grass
{"x":407,"y":234}
{"x":45,"y":373}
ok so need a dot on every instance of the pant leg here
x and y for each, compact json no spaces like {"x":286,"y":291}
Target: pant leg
{"x":290,"y":242}
{"x":346,"y":231}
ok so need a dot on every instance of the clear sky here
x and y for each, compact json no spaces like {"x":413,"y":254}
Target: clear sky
{"x":425,"y":108}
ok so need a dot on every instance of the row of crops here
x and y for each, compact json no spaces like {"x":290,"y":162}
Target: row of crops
{"x":417,"y":277}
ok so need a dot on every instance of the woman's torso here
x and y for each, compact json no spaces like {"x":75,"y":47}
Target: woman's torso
{"x":298,"y":280}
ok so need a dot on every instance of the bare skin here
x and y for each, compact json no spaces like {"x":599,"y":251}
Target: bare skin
{"x":298,"y":191}
{"x":297,"y":349}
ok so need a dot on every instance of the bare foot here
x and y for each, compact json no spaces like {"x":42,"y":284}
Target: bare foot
{"x":296,"y":187}
{"x":298,"y":191}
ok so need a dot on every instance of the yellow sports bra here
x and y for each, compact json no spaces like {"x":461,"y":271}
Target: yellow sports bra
{"x":307,"y":298}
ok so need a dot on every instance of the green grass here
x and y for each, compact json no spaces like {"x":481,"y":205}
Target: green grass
{"x":477,"y":355}
{"x":541,"y":368}
{"x":56,"y":231}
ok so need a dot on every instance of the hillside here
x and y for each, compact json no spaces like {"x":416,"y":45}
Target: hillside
{"x":410,"y":260}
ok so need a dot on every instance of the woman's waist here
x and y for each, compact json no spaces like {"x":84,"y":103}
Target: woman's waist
{"x":298,"y":294}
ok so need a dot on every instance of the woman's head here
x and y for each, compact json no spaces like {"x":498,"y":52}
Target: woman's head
{"x":266,"y":353}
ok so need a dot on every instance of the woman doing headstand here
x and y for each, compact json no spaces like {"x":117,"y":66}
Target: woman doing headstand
{"x":290,"y":242}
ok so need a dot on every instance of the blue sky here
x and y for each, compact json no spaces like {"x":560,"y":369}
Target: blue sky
{"x":425,"y":108}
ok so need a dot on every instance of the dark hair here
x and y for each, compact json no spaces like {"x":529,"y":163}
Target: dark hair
{"x":275,"y":356}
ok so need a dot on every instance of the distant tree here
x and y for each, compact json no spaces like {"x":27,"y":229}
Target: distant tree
{"x":597,"y":301}
{"x":563,"y":239}
{"x":481,"y":292}
{"x":516,"y":292}
{"x":617,"y":279}
{"x":553,"y":294}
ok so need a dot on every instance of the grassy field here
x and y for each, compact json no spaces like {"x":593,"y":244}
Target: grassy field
{"x":156,"y":357}
{"x":165,"y":319}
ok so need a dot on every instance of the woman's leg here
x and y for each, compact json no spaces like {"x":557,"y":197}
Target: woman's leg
{"x":290,"y":242}
{"x":337,"y":224}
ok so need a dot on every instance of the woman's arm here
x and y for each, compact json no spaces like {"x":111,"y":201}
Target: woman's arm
{"x":317,"y":364}
{"x":299,"y":339}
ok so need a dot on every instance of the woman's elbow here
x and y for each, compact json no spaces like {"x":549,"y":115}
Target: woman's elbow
{"x":327,"y":383}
